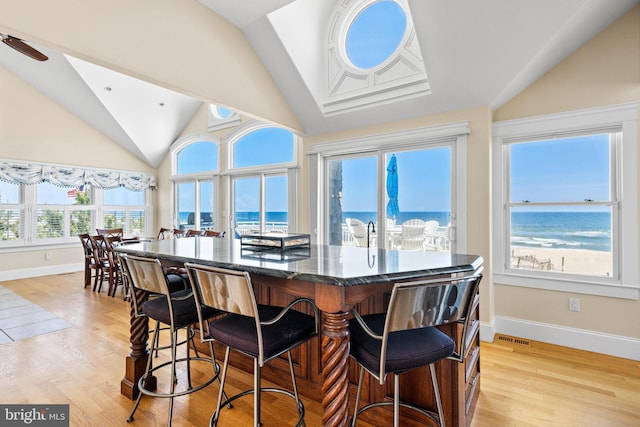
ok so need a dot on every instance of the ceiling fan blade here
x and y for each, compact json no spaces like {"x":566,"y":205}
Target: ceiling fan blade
{"x":23,"y":48}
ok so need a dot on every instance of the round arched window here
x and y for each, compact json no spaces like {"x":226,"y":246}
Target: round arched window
{"x":375,"y":34}
{"x":220,"y":112}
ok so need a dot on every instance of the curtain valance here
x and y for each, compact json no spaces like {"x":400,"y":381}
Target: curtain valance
{"x":72,"y":176}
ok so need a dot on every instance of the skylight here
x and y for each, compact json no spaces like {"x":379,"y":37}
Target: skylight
{"x":375,"y":34}
{"x":372,"y":56}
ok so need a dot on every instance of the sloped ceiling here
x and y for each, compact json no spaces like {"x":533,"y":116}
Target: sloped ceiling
{"x":476,"y":53}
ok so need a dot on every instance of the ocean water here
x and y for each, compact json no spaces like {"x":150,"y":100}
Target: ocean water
{"x":183,"y":218}
{"x":566,"y":230}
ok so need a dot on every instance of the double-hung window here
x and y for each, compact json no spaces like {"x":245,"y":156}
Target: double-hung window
{"x":565,"y":212}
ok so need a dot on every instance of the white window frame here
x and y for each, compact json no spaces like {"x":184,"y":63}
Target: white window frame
{"x":196,"y":178}
{"x":22,"y":210}
{"x":290,"y":169}
{"x":147,"y":208}
{"x":621,"y":117}
{"x":29,"y":208}
{"x":453,"y":135}
{"x":216,"y":122}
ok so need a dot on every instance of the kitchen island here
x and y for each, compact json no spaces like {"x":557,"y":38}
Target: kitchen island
{"x":337,"y":278}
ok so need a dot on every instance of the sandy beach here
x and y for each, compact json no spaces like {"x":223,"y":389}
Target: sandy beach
{"x":578,"y":261}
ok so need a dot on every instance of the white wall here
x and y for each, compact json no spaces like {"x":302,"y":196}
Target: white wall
{"x":33,"y":127}
{"x":605,"y":71}
{"x":177,"y":44}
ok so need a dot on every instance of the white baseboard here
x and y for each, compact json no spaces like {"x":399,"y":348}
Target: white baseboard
{"x":613,"y":345}
{"x":487,"y":331}
{"x":27,"y":273}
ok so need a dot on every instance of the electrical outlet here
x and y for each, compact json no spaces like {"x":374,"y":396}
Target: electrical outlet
{"x":574,"y":304}
{"x":48,"y":256}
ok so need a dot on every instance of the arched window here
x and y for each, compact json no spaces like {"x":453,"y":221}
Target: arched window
{"x":197,"y":157}
{"x":196,"y":168}
{"x":264,"y":146}
{"x":263,"y":177}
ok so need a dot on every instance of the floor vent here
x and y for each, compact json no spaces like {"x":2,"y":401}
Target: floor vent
{"x":512,"y":340}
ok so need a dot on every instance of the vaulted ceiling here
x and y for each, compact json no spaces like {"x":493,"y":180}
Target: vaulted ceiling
{"x":475,"y":53}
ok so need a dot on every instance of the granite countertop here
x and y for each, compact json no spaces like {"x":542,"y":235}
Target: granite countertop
{"x":335,"y":265}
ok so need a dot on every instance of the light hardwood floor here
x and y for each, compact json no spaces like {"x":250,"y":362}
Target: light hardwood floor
{"x":539,"y":385}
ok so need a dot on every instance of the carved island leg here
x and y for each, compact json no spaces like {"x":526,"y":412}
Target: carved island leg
{"x":335,"y":369}
{"x":135,"y":362}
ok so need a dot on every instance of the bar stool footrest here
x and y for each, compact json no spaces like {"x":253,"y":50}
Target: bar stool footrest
{"x":227,"y":403}
{"x":427,"y":413}
{"x":142,"y":379}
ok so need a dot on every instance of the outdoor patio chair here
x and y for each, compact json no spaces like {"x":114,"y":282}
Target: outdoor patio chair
{"x":412,"y":235}
{"x":358,"y":231}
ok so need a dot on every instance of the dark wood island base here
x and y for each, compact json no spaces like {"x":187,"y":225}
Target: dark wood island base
{"x":323,"y":369}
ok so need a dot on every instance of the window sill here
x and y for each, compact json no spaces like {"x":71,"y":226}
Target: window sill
{"x":38,"y":247}
{"x":575,"y":284}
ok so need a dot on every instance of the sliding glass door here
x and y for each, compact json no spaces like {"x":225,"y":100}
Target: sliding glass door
{"x":398,"y":200}
{"x":352,"y":200}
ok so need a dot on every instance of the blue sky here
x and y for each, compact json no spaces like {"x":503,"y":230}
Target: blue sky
{"x":569,"y":169}
{"x":375,"y":34}
{"x":424,"y":181}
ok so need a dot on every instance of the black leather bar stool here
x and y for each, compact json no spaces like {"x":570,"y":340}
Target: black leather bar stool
{"x":406,"y":337}
{"x":175,"y":309}
{"x":262,"y":332}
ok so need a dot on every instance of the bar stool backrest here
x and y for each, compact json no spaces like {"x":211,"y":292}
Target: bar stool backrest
{"x":425,"y":303}
{"x":145,"y":274}
{"x":226,"y":290}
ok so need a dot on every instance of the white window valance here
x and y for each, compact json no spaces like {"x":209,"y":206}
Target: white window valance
{"x":72,"y":176}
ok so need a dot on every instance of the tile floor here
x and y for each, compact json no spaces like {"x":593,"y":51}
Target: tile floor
{"x":20,"y":318}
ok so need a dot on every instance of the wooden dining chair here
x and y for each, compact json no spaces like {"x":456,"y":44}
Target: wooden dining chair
{"x":110,"y":232}
{"x":89,"y":261}
{"x":194,"y":233}
{"x":164,"y":233}
{"x":113,"y":268}
{"x":177,"y":233}
{"x":211,"y":233}
{"x":100,"y":259}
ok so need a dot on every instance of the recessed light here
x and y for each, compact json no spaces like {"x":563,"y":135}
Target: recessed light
{"x":107,"y":88}
{"x":161,"y":104}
